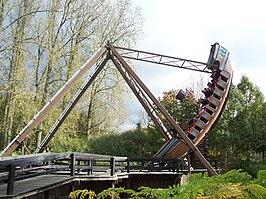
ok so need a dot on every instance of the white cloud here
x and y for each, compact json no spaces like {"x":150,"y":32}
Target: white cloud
{"x":187,"y":29}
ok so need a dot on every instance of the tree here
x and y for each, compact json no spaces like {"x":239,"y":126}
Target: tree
{"x":14,"y":57}
{"x":240,"y":131}
{"x":43,"y":43}
{"x":182,"y":110}
{"x":220,"y":137}
{"x":136,"y":142}
{"x":261,"y":138}
{"x":247,"y":121}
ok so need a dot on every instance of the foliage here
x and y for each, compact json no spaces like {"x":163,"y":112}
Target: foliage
{"x":136,"y":142}
{"x":115,"y":193}
{"x":255,"y":191}
{"x":42,"y":44}
{"x":183,"y":110}
{"x":251,"y":167}
{"x":239,"y":136}
{"x":69,"y":143}
{"x":147,"y":192}
{"x":234,"y":184}
{"x":82,"y":194}
{"x":236,"y":176}
{"x":261,"y":178}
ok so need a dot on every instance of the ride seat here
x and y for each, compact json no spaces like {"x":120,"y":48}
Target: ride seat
{"x":221,"y":83}
{"x":218,"y":92}
{"x":214,"y":101}
{"x":225,"y":75}
{"x":206,"y":115}
{"x":210,"y":109}
{"x":194,"y":132}
{"x":200,"y":124}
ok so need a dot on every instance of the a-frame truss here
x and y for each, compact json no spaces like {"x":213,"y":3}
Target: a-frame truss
{"x":143,"y":94}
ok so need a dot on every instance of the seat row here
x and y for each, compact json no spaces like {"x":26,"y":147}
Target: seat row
{"x":209,"y":107}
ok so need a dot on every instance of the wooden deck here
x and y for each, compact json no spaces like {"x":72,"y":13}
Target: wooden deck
{"x":38,"y":184}
{"x":30,"y":186}
{"x":58,"y":174}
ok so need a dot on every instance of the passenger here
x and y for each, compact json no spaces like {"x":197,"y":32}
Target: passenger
{"x":203,"y":101}
{"x":207,"y":92}
{"x":191,"y":136}
{"x":201,"y":110}
{"x":215,"y":75}
{"x":194,"y":119}
{"x":190,"y":122}
{"x":214,"y":82}
{"x":215,"y":66}
{"x":211,"y":85}
{"x":191,"y":125}
{"x":185,"y":125}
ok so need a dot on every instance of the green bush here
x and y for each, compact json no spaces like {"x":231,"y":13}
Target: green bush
{"x":236,"y":176}
{"x":136,"y":142}
{"x":82,"y":194}
{"x":255,"y":191}
{"x":115,"y":193}
{"x":261,"y":178}
{"x":251,"y":167}
{"x":234,"y":184}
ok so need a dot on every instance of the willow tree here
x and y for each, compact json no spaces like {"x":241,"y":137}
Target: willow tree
{"x":52,"y":39}
{"x":14,"y":32}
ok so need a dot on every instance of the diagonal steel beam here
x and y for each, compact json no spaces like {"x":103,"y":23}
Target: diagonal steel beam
{"x":163,"y":110}
{"x":69,"y":107}
{"x":38,"y":118}
{"x":145,"y":102}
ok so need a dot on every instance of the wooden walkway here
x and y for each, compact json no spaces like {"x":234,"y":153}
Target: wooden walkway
{"x":38,"y":184}
{"x":30,"y":186}
{"x":30,"y":175}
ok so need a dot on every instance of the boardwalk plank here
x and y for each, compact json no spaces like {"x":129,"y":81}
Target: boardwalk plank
{"x":36,"y":183}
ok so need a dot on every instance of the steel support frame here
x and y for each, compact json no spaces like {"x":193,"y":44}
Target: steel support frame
{"x":70,"y":106}
{"x":163,"y":59}
{"x":178,"y":129}
{"x":143,"y":94}
{"x":38,"y":118}
{"x":143,"y":99}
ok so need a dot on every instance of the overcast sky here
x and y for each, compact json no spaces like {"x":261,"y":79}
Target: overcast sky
{"x":187,"y":29}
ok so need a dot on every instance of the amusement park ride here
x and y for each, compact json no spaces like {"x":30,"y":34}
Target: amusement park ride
{"x":179,"y":141}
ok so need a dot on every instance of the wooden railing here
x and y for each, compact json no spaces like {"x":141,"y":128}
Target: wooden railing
{"x":22,"y":167}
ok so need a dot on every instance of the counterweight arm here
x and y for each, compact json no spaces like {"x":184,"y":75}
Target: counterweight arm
{"x":163,"y":59}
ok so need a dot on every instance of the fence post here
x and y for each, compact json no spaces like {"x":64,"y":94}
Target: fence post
{"x":112,"y":166}
{"x":189,"y":164}
{"x":78,"y":170}
{"x":11,"y":179}
{"x":128,"y":165}
{"x":72,"y":164}
{"x":177,"y":165}
{"x":90,"y":165}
